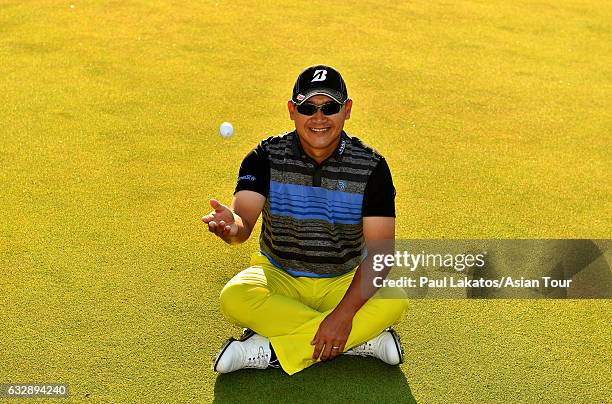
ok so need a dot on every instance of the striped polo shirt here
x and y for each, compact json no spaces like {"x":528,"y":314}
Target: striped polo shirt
{"x":312,"y":218}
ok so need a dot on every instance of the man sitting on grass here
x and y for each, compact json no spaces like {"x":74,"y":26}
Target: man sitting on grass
{"x":307,"y":295}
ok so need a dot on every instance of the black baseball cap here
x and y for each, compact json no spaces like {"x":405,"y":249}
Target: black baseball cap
{"x":319,"y":79}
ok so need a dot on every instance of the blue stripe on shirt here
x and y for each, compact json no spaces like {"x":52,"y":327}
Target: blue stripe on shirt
{"x":295,"y":273}
{"x":340,"y":207}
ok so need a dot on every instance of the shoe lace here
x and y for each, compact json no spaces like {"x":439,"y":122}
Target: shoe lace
{"x":259,"y":359}
{"x":365,"y":349}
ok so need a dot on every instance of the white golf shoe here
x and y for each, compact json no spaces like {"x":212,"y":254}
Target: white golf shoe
{"x":249,"y":351}
{"x":386,"y":347}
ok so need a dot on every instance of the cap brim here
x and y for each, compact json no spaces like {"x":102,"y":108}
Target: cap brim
{"x":334,"y":95}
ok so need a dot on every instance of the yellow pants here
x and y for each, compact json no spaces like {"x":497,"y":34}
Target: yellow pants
{"x":288,"y":310}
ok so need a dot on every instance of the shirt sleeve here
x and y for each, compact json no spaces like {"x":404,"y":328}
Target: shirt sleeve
{"x":379,"y":194}
{"x":254,"y":173}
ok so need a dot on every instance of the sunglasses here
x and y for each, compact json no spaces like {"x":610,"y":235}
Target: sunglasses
{"x":329,"y":108}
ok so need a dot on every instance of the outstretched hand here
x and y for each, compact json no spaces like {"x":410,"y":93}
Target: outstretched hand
{"x":221,"y":221}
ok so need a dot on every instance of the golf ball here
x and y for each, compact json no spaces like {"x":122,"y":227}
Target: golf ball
{"x":226,"y":130}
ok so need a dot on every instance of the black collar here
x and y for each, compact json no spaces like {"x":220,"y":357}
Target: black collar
{"x":298,"y":151}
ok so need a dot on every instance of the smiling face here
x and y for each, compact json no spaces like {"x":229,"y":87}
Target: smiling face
{"x":319,"y":134}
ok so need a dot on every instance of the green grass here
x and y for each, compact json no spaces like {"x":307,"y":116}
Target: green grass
{"x":494,"y":117}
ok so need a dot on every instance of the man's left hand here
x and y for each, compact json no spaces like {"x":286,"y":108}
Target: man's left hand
{"x":331,"y":337}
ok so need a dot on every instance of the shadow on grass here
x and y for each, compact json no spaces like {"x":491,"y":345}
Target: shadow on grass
{"x":345,"y":379}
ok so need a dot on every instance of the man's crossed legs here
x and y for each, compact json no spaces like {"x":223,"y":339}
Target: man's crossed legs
{"x":287,"y":311}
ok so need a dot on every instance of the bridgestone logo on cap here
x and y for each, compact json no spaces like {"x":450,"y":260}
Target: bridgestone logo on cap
{"x":319,"y":75}
{"x":300,"y":97}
